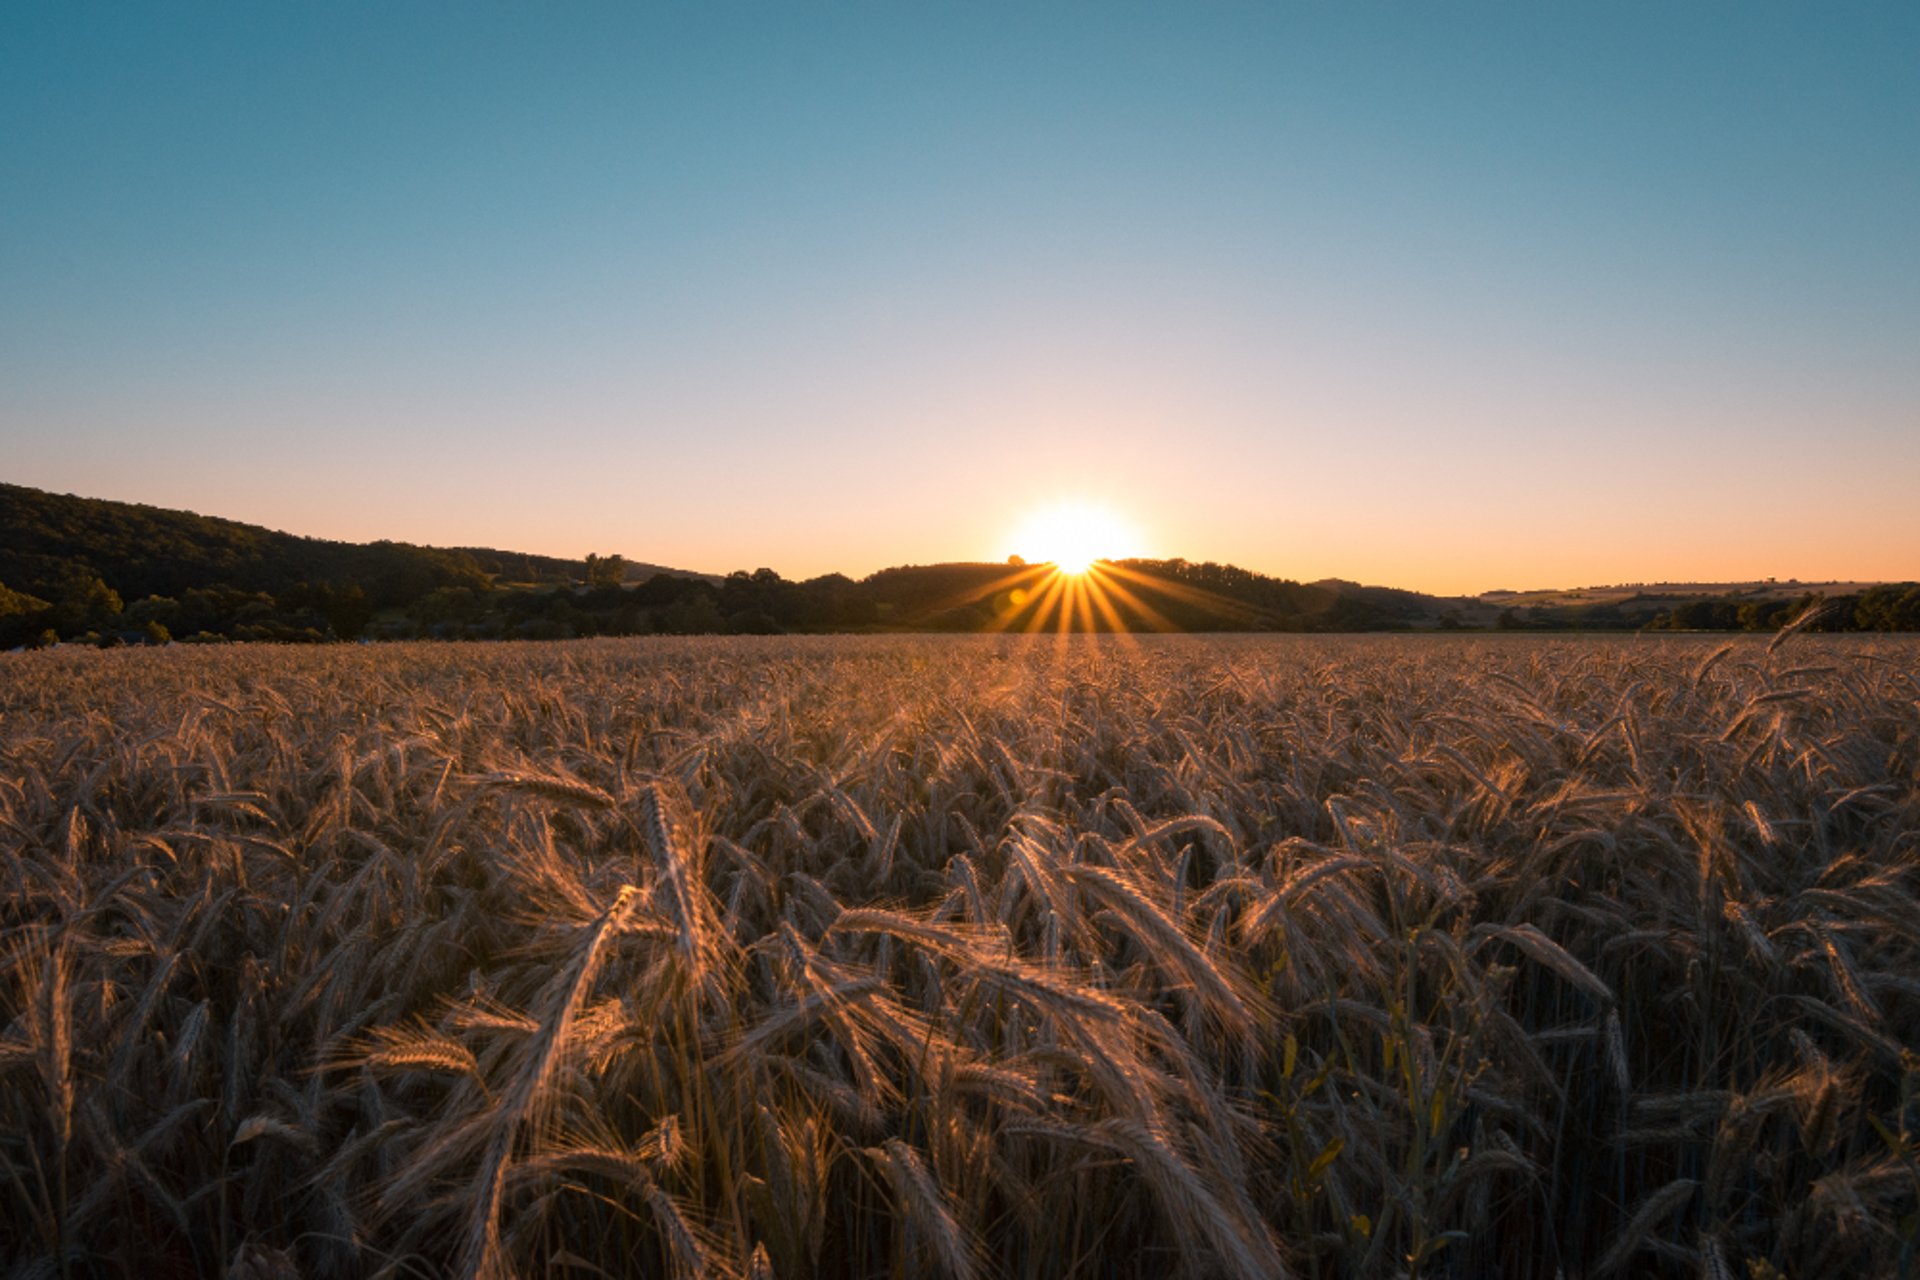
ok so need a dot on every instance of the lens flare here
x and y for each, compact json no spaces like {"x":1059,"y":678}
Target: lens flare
{"x":1073,"y":536}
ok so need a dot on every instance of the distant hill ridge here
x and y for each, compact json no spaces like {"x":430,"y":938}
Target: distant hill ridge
{"x":140,"y":550}
{"x":87,"y":568}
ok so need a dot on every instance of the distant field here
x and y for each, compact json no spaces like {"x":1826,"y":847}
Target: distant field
{"x":1678,"y":591}
{"x":1239,"y":956}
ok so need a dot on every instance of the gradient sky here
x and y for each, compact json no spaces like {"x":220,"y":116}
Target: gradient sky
{"x":1446,"y":296}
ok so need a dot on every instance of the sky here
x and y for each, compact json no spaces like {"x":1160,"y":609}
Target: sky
{"x":1445,"y":296}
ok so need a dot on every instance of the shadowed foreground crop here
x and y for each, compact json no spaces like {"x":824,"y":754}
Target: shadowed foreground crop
{"x":975,"y":957}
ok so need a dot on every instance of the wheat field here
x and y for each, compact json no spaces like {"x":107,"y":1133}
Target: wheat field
{"x":974,"y":957}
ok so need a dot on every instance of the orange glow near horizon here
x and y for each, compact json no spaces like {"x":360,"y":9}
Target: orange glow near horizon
{"x":1067,"y":575}
{"x":1072,"y":536}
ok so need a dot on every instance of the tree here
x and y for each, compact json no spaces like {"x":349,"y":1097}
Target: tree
{"x":346,"y":609}
{"x":12,"y":602}
{"x":697,"y":614}
{"x":1889,"y":607}
{"x":605,"y":571}
{"x":85,"y":602}
{"x":22,"y":617}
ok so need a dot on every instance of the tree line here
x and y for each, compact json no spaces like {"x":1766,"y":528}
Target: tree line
{"x":86,"y":607}
{"x":1887,"y":607}
{"x":80,"y":569}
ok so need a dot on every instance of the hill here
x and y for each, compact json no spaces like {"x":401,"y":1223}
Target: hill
{"x":84,"y":568}
{"x":528,"y":569}
{"x":1668,"y":592}
{"x":1140,"y":595}
{"x":85,"y":565}
{"x":46,"y":539}
{"x":71,"y":566}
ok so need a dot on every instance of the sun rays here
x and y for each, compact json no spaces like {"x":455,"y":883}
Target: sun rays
{"x":1104,"y":596}
{"x":1072,"y":574}
{"x":1077,"y":568}
{"x":1073,"y":535}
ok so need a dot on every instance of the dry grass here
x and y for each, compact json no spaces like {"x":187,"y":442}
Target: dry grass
{"x":973,"y":957}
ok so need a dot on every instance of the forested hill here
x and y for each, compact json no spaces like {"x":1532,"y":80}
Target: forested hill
{"x":114,"y":572}
{"x":47,"y":539}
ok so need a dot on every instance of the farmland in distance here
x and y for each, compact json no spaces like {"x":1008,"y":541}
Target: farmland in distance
{"x":974,"y":956}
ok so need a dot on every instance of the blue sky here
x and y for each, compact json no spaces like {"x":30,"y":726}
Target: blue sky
{"x":1452,"y":297}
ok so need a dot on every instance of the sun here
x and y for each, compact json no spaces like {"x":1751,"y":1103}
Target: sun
{"x":1069,"y":574}
{"x":1072,"y":536}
